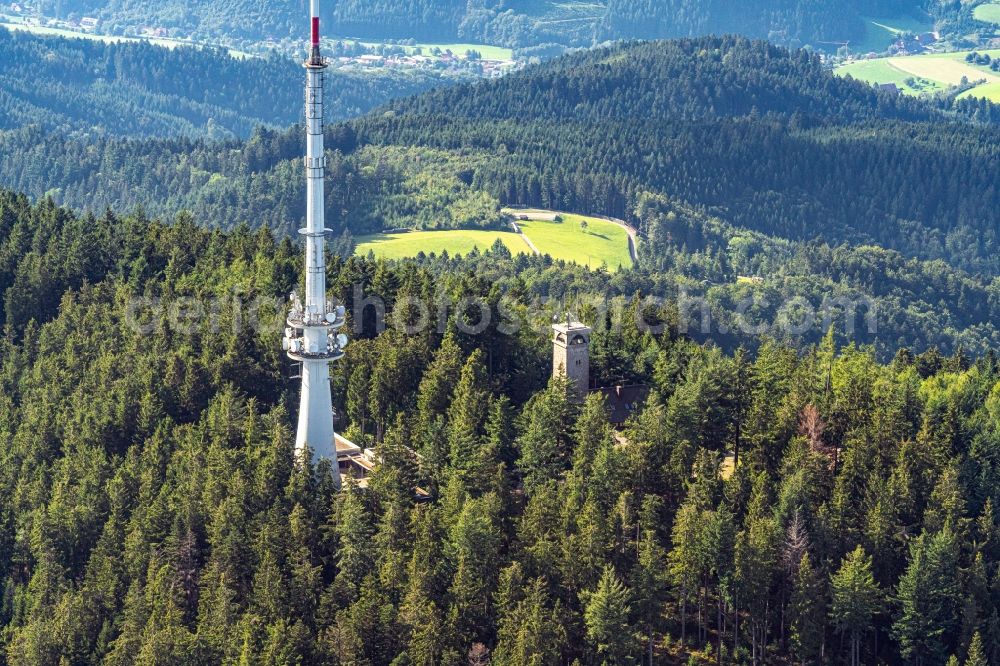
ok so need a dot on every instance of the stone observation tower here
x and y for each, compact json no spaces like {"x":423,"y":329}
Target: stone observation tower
{"x":571,"y":354}
{"x":311,"y":336}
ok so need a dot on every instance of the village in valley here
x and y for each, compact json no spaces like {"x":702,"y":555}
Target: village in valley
{"x":446,"y":59}
{"x":450,"y":60}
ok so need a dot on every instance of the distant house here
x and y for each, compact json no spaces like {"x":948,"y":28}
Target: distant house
{"x":89,"y":23}
{"x":623,"y":402}
{"x":889,"y":88}
{"x":913,"y":45}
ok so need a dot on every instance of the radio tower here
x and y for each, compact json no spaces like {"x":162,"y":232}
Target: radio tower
{"x":311,"y":337}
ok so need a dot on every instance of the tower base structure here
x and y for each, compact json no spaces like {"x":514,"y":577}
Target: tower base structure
{"x":315,"y":416}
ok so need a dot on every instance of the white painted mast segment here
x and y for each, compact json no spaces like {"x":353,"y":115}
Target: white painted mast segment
{"x":311,"y":337}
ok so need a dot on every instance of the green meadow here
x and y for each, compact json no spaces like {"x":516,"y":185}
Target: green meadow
{"x":990,"y":91}
{"x":460,"y":241}
{"x":882,"y":71}
{"x":927,"y":73}
{"x":17,"y":24}
{"x":485,"y":50}
{"x":587,"y":241}
{"x":597,"y":243}
{"x":988,"y":13}
{"x":881,"y":32}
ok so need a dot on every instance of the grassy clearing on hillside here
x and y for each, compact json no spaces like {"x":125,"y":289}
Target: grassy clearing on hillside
{"x":402,"y":246}
{"x":988,"y":13}
{"x":599,"y":243}
{"x":931,"y":73}
{"x":990,"y":91}
{"x":486,"y":51}
{"x":74,"y":34}
{"x":602,"y":242}
{"x":942,"y":69}
{"x":883,"y":71}
{"x":881,"y":32}
{"x":569,"y":17}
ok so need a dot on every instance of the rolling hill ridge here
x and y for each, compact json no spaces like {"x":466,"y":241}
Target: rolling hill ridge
{"x":752,"y":133}
{"x":735,"y":158}
{"x":140,"y":90}
{"x":513,"y":23}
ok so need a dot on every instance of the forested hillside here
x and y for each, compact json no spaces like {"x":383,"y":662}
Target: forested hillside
{"x":734,"y":158}
{"x":514,"y":23}
{"x":779,"y":20}
{"x":752,"y":133}
{"x":756,"y":135}
{"x":152,"y":511}
{"x":138,"y":90}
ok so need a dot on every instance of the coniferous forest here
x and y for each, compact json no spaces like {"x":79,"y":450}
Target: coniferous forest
{"x":810,"y":506}
{"x":818,"y":496}
{"x":85,"y":89}
{"x":734,"y":158}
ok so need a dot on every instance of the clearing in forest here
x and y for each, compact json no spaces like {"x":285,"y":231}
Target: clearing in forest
{"x":588,"y":241}
{"x":990,"y":91}
{"x":987,"y":13}
{"x":943,"y":69}
{"x":457,"y":241}
{"x":927,"y":73}
{"x":17,"y":24}
{"x":881,"y":70}
{"x":881,"y":32}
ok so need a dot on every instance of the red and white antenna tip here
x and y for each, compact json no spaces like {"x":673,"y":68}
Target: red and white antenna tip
{"x":314,"y":7}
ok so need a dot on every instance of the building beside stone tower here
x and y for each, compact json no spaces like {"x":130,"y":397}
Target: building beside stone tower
{"x":571,"y":359}
{"x":571,"y":354}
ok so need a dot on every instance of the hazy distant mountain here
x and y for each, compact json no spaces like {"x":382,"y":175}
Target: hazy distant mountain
{"x":515,"y":23}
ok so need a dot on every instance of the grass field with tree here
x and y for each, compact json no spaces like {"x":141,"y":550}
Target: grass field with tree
{"x":586,"y":240}
{"x":927,"y":73}
{"x":990,"y":91}
{"x":882,"y":71}
{"x":17,"y":24}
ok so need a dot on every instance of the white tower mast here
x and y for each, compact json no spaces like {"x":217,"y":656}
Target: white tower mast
{"x":311,"y":337}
